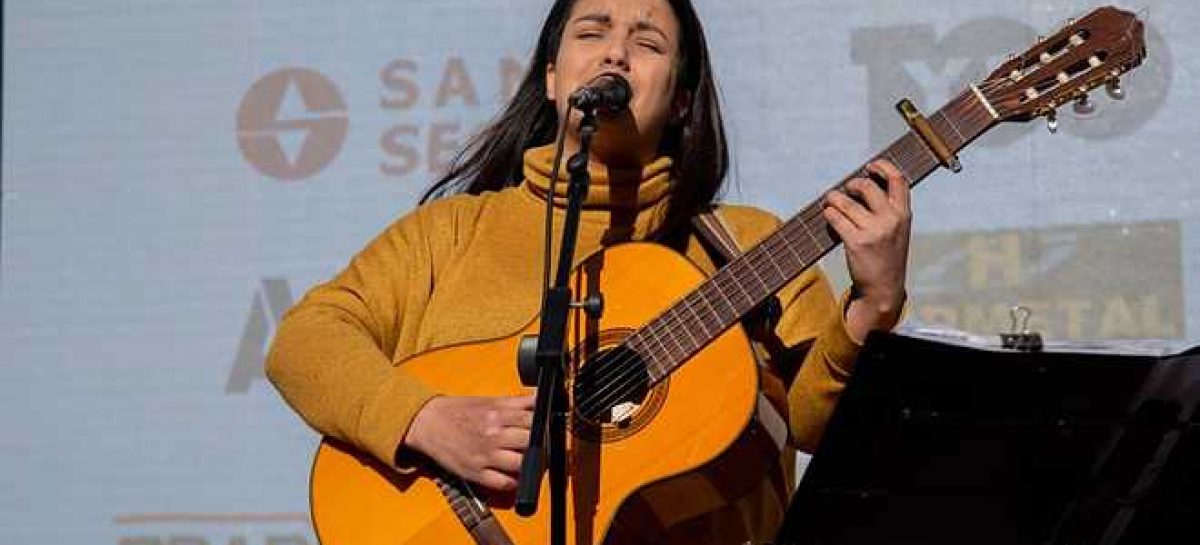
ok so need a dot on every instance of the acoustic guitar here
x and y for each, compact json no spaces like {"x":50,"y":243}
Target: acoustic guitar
{"x":662,"y":384}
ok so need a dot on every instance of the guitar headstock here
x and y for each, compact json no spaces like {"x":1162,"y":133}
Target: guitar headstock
{"x":1085,"y":54}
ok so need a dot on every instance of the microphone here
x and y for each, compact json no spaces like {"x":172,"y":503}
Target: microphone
{"x":608,"y":92}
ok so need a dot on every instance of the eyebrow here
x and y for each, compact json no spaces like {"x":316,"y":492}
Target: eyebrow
{"x":606,"y":20}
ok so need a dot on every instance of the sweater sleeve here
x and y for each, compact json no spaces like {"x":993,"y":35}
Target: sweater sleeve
{"x":813,"y":319}
{"x":332,"y":356}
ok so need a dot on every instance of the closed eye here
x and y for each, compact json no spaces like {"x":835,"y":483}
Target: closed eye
{"x":653,"y":46}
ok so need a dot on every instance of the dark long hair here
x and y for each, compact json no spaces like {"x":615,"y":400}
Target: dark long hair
{"x":493,"y":158}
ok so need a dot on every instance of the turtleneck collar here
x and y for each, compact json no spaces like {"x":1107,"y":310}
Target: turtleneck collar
{"x":610,"y":188}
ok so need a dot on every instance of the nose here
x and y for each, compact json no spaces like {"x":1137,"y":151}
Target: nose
{"x":616,"y":55}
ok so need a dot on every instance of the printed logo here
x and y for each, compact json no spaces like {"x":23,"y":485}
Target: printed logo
{"x":291,"y":124}
{"x":1076,"y":280}
{"x":267,"y":307}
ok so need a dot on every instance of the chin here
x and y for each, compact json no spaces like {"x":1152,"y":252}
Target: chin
{"x":623,"y":154}
{"x":622,"y":144}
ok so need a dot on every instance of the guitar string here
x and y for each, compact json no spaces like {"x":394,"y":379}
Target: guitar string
{"x":904,"y":147}
{"x":673,"y":318}
{"x":621,"y":384}
{"x":623,"y":367}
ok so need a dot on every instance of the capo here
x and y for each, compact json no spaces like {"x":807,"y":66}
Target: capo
{"x":921,"y":126}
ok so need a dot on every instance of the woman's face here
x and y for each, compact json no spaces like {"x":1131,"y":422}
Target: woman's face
{"x":637,"y":39}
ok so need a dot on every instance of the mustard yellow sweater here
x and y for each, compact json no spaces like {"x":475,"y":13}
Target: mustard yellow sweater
{"x":470,"y":268}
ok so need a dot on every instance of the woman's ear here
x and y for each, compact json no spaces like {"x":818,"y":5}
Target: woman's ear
{"x":680,"y":107}
{"x":550,"y":79}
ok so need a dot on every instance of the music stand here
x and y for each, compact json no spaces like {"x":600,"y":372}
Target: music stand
{"x":939,"y":443}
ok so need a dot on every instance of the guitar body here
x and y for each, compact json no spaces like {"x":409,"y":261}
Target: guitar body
{"x":680,"y":426}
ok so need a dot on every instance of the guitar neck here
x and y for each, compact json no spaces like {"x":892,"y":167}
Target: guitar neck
{"x":744,"y":283}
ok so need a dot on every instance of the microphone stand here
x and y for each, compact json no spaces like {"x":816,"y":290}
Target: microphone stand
{"x":548,"y":437}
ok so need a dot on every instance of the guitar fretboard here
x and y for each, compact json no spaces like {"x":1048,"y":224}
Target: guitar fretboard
{"x":682,"y":330}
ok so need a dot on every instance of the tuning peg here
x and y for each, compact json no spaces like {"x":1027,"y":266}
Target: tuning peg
{"x":1113,"y":87}
{"x":1084,"y":106}
{"x":1052,"y":121}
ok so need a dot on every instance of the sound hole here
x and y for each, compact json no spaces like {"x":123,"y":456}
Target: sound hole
{"x":612,"y":387}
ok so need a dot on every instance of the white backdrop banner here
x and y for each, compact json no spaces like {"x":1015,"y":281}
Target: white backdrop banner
{"x":177,"y":172}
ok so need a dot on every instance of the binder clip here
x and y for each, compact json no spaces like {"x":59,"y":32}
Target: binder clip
{"x":1019,"y":336}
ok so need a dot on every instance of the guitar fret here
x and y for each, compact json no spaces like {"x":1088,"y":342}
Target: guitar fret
{"x":727,"y":315}
{"x":658,"y":349}
{"x":674,"y":322}
{"x":810,"y":234}
{"x":724,"y":281}
{"x":899,"y":164}
{"x":941,"y":118}
{"x":701,"y":295}
{"x":660,"y":339}
{"x":700,"y":321}
{"x":916,"y":150}
{"x":790,"y":249}
{"x":752,"y":272}
{"x":689,"y":331}
{"x":776,"y":258}
{"x":781,"y":277}
{"x":820,"y":231}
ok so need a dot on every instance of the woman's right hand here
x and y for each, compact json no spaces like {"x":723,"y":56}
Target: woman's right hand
{"x":480,"y":439}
